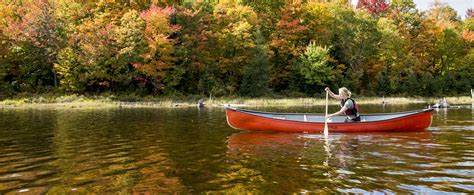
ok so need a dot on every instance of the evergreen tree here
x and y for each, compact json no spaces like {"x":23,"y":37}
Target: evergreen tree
{"x":256,"y":76}
{"x":383,"y":83}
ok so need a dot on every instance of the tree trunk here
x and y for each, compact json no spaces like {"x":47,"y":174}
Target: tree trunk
{"x":472,"y":94}
{"x":55,"y":78}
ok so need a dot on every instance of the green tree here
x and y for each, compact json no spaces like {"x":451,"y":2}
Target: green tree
{"x":314,"y":65}
{"x":256,"y":76}
{"x":355,"y":43}
{"x":392,"y":55}
{"x":356,"y":38}
{"x":70,"y":71}
{"x":450,"y":48}
{"x":383,"y":83}
{"x":7,"y":67}
{"x":412,"y":85}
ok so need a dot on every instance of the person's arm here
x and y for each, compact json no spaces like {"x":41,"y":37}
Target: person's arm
{"x":340,"y":112}
{"x":333,"y":95}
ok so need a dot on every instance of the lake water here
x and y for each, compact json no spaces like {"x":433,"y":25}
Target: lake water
{"x":191,"y":150}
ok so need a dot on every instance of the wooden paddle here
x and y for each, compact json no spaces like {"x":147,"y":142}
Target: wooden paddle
{"x":325,"y":119}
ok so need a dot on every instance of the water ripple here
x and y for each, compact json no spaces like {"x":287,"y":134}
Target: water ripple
{"x":156,"y":151}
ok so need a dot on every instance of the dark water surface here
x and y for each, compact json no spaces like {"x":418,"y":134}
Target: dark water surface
{"x":191,"y":150}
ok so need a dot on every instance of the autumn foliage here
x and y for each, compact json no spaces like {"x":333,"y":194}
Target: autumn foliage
{"x":234,"y":48}
{"x":373,"y":6}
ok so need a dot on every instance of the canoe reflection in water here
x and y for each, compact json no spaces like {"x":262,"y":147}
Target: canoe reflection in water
{"x":350,"y":162}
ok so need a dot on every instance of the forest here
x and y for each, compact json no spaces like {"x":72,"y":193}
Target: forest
{"x":234,"y":48}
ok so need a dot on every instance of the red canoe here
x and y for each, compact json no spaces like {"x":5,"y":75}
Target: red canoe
{"x":314,"y":123}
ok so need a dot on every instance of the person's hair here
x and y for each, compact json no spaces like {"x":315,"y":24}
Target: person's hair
{"x":346,"y":91}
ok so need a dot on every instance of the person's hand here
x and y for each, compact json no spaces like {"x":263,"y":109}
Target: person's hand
{"x":326,"y":89}
{"x":328,"y":116}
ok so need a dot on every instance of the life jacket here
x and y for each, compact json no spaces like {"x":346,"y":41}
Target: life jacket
{"x":352,"y":111}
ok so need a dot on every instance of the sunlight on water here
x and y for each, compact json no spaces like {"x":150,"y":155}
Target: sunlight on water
{"x":191,"y":150}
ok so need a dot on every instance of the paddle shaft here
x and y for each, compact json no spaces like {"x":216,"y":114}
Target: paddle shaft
{"x":327,"y":93}
{"x":325,"y":117}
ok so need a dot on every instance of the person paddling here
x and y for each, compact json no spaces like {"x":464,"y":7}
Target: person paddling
{"x":348,"y":105}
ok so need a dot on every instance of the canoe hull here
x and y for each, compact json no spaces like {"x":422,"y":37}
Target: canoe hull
{"x":243,"y":120}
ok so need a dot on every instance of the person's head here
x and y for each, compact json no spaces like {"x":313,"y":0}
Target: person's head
{"x":345,"y":92}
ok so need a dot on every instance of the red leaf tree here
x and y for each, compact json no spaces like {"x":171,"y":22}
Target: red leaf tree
{"x":374,"y":7}
{"x":470,"y":13}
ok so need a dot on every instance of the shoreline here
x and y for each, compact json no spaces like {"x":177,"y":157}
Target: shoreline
{"x":83,"y":102}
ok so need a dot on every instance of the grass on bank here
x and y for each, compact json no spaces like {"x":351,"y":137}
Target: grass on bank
{"x":100,"y":101}
{"x":321,"y":101}
{"x":95,"y":101}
